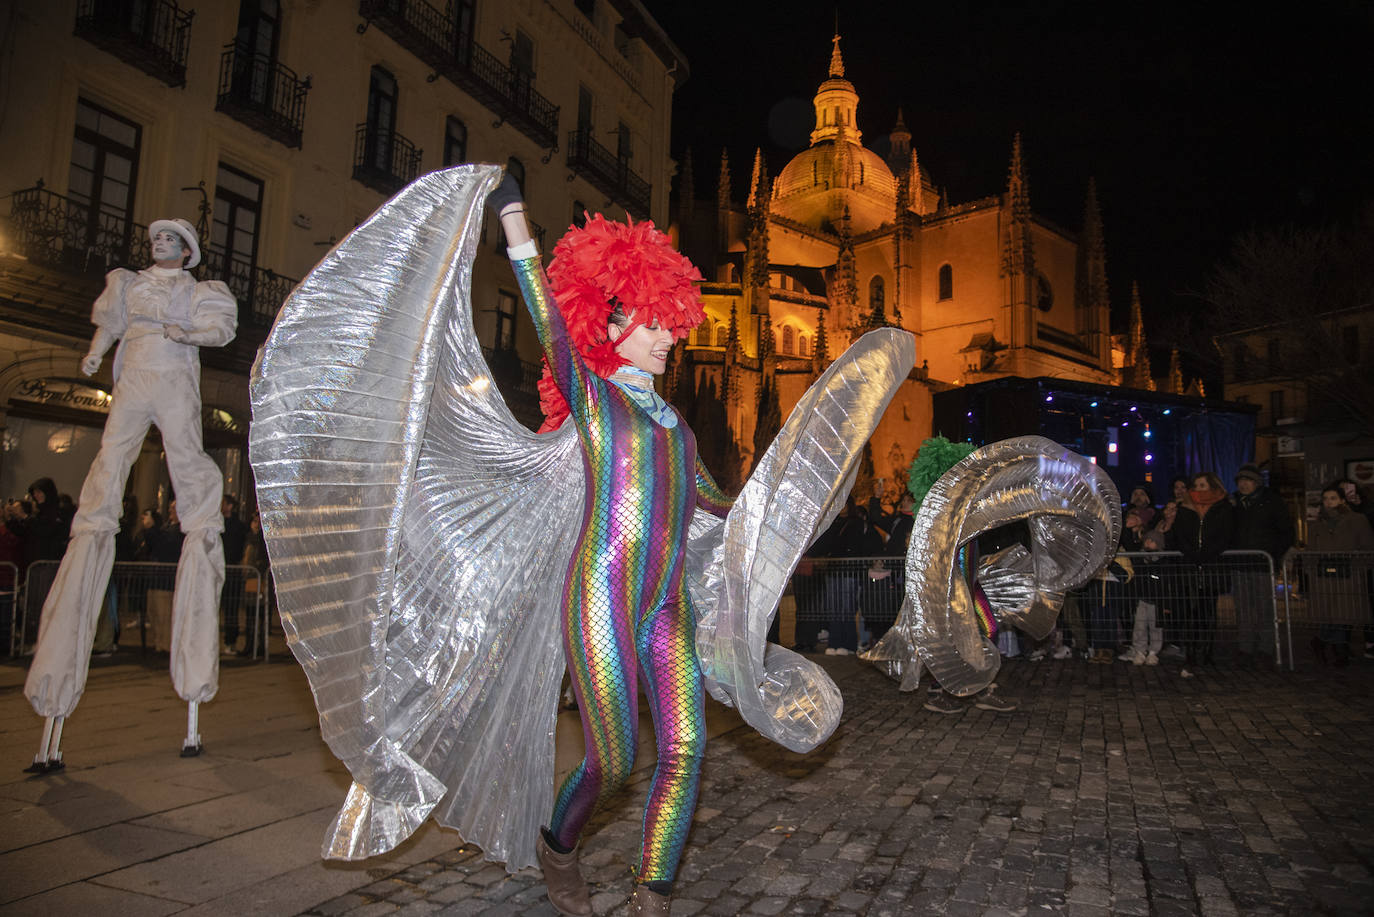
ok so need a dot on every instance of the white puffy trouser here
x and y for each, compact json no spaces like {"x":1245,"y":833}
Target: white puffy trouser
{"x":170,"y":399}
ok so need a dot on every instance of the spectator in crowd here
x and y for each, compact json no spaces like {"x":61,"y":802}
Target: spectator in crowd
{"x":11,"y":566}
{"x":851,"y":536}
{"x":1105,"y":597}
{"x":1205,"y":527}
{"x":1132,"y":530}
{"x":1178,"y":489}
{"x":1148,"y":589}
{"x":1143,"y":502}
{"x":147,"y":536}
{"x":45,"y":541}
{"x":66,"y":510}
{"x":1357,"y":498}
{"x":1262,"y":524}
{"x":1168,"y":515}
{"x":255,"y":556}
{"x":1335,"y":579}
{"x":168,"y":549}
{"x":233,"y":538}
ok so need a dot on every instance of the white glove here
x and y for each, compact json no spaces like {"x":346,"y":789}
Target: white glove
{"x":90,"y":364}
{"x":176,"y":333}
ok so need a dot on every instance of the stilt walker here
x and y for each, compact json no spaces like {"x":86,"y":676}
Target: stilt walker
{"x":161,"y":316}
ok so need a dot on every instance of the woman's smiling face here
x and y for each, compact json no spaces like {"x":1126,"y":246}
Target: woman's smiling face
{"x":646,"y":346}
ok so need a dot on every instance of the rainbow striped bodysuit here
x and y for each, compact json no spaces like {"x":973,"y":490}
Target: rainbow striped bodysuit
{"x":625,"y":612}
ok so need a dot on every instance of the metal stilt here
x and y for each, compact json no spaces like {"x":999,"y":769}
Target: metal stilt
{"x":192,"y":747}
{"x":49,"y":757}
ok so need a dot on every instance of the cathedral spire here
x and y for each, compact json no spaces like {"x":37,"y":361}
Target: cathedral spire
{"x":1136,"y":371}
{"x":1018,"y":189}
{"x":836,"y":61}
{"x":723,"y":186}
{"x":759,"y":180}
{"x":1092,"y":305}
{"x":1176,"y":374}
{"x":820,"y":354}
{"x":836,"y":103}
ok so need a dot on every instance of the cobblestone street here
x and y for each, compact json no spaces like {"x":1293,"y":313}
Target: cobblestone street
{"x":1113,"y":790}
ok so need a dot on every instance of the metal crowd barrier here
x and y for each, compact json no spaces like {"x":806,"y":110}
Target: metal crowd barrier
{"x":9,"y":604}
{"x":1327,"y":600}
{"x":139,"y":598}
{"x":1220,"y":611}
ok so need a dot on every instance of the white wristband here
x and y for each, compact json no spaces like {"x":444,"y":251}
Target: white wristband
{"x":526,"y":249}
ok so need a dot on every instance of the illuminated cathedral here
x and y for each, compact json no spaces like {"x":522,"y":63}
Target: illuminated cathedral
{"x":844,"y":240}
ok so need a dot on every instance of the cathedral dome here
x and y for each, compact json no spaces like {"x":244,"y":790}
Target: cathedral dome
{"x":819,"y":168}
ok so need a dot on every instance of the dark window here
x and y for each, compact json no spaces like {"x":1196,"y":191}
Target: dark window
{"x":103,"y":168}
{"x":722,"y":335}
{"x":455,"y":141}
{"x":463,"y":14}
{"x":1276,"y":407}
{"x":584,"y":108}
{"x":522,"y":63}
{"x":381,"y":119}
{"x":803,"y":347}
{"x":876,"y":295}
{"x":234,"y":230}
{"x":946,"y":282}
{"x":505,"y":321}
{"x":579,"y":214}
{"x":623,"y":149}
{"x":256,"y":43}
{"x":1350,"y":343}
{"x":788,"y":339}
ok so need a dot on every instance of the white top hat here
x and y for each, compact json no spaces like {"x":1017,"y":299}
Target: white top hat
{"x":183,"y":229}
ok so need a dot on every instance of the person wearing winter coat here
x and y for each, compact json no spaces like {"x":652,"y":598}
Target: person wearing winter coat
{"x":1339,"y":542}
{"x":1262,"y":524}
{"x":1204,"y":528}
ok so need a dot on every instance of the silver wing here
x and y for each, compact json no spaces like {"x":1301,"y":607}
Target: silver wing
{"x":1074,"y":514}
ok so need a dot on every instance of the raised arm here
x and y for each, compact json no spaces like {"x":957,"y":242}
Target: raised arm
{"x":571,"y":374}
{"x":710,"y":497}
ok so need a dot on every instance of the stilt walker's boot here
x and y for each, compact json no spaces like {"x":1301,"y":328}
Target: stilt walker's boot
{"x":648,"y":903}
{"x":563,"y":878}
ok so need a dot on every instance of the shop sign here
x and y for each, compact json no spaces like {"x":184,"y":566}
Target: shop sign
{"x":66,"y":393}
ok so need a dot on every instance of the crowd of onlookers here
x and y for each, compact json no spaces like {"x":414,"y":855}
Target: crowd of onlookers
{"x":37,"y":527}
{"x":1158,"y":597}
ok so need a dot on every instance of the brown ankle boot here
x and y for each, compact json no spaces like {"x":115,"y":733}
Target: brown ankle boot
{"x":647,"y":903}
{"x":567,"y":891}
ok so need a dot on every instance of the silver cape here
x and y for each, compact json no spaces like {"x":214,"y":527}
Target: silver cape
{"x":419,"y":535}
{"x":1073,"y":512}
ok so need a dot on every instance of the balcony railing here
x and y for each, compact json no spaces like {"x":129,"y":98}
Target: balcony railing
{"x":383,"y":159}
{"x":435,"y":39}
{"x":609,"y":173}
{"x":262,"y":93}
{"x":152,"y":35}
{"x":59,"y":233}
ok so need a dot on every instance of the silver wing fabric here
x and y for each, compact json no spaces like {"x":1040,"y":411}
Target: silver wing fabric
{"x":1073,"y":512}
{"x":785,"y":503}
{"x":420,"y":535}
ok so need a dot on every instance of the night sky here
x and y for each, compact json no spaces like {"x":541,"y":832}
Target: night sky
{"x":1197,"y":122}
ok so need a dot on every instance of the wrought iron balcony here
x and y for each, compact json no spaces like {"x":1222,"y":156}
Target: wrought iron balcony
{"x":152,"y":35}
{"x":383,"y":159}
{"x":72,"y":238}
{"x":610,"y":174}
{"x":262,"y":93}
{"x":435,"y":39}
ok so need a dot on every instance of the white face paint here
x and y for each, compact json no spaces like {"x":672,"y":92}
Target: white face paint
{"x":168,"y":246}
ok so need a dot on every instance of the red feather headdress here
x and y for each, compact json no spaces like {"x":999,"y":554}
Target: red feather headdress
{"x":636,"y":264}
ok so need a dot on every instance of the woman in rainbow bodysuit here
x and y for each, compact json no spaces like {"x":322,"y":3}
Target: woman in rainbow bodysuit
{"x":623,"y":295}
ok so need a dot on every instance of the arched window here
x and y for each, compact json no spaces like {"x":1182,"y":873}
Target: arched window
{"x":946,"y":282}
{"x":722,"y":334}
{"x":702,"y":338}
{"x":876,"y":294}
{"x":455,"y":141}
{"x":579,"y":214}
{"x":803,"y":346}
{"x":788,"y":339}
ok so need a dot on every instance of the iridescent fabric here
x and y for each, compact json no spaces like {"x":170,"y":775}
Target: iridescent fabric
{"x":420,"y":537}
{"x":624,"y":609}
{"x":1073,"y":513}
